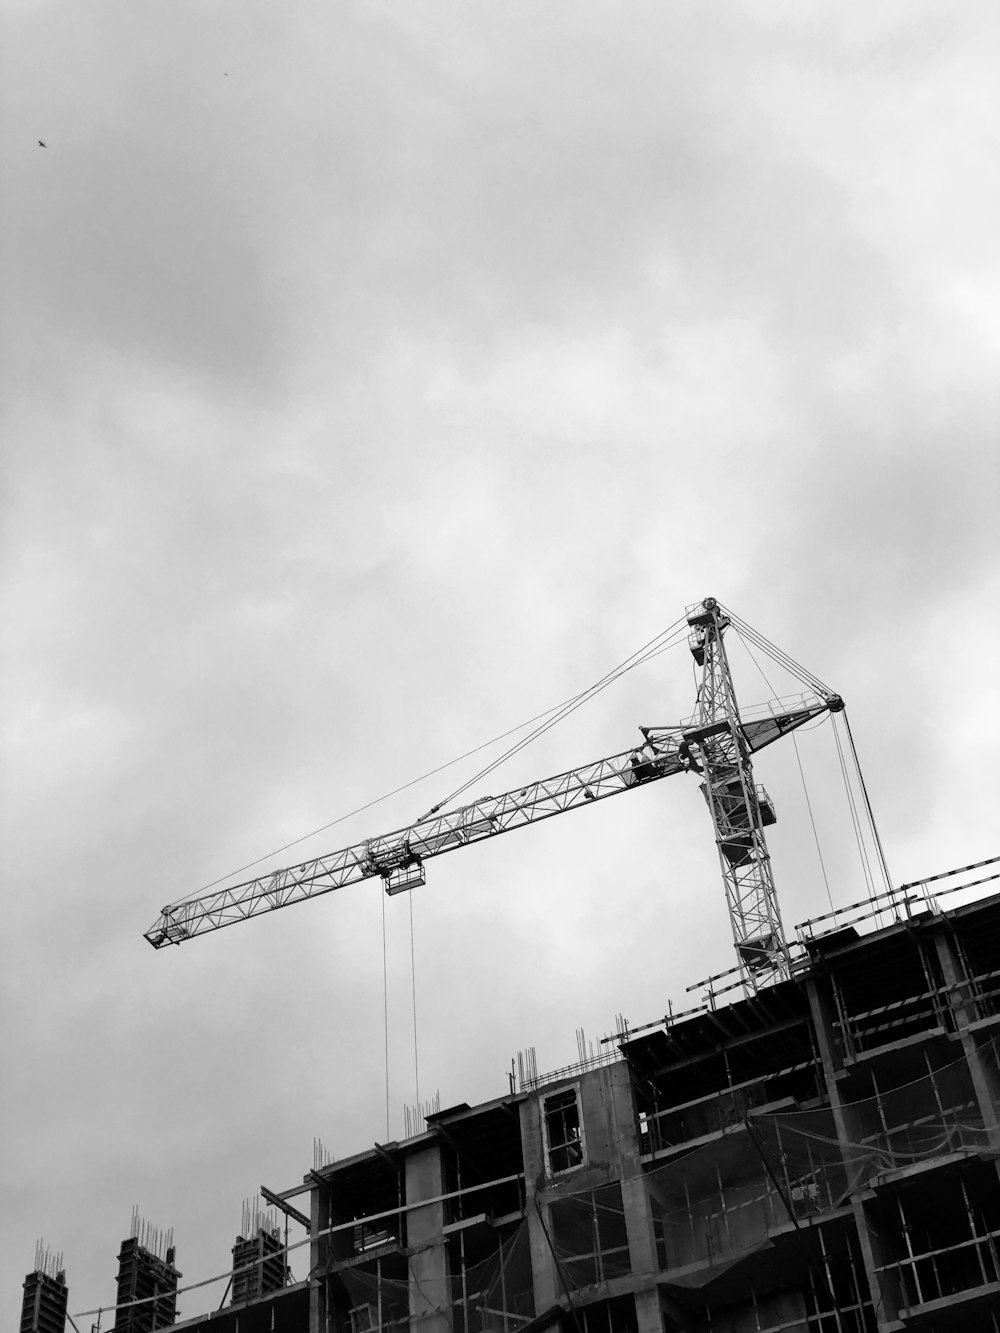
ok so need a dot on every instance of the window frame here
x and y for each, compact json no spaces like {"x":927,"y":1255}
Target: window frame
{"x":606,"y":1250}
{"x":357,"y":1325}
{"x":547,"y":1144}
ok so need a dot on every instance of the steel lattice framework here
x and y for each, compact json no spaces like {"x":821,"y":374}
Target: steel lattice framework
{"x":740,"y":810}
{"x":398,"y":857}
{"x":716,"y":744}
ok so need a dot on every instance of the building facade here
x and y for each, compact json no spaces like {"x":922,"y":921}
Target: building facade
{"x":821,"y":1157}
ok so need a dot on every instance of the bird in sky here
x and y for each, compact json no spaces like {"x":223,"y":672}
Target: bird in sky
{"x":42,"y":145}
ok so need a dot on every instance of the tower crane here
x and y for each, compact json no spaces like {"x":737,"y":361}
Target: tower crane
{"x":716,"y":744}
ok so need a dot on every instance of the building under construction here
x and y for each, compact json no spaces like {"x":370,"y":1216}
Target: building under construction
{"x":821,"y":1156}
{"x":818,"y":1155}
{"x":43,"y":1308}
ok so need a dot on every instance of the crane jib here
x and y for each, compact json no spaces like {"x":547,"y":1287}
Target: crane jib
{"x":392,"y":853}
{"x":699,"y":746}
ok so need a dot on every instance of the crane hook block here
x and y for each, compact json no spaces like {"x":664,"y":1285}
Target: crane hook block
{"x":402,"y":878}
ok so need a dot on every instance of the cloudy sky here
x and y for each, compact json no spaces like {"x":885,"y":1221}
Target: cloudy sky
{"x":377,"y":375}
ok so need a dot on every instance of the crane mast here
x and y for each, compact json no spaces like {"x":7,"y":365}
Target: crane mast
{"x":740,"y":809}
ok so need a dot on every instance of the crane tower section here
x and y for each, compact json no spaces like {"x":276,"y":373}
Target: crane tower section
{"x":718,"y":747}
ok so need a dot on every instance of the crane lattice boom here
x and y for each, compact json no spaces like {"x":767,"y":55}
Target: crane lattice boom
{"x":398,"y":857}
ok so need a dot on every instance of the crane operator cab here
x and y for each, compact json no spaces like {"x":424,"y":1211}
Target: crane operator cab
{"x":641,"y":767}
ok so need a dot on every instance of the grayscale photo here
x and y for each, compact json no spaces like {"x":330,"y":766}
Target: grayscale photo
{"x":423,"y":421}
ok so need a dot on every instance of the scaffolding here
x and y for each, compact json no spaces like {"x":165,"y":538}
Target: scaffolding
{"x":494,"y":1295}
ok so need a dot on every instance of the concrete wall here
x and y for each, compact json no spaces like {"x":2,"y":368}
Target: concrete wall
{"x":612,"y":1154}
{"x":428,"y":1260}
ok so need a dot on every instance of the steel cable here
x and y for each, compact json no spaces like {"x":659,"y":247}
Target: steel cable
{"x":563,"y":709}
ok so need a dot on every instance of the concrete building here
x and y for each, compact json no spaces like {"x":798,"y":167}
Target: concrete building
{"x":259,"y":1264}
{"x":43,"y":1308}
{"x":820,"y":1157}
{"x":147,"y":1286}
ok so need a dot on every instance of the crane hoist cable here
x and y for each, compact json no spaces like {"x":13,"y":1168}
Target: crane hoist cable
{"x":783,"y":659}
{"x":413,"y":990}
{"x":855,"y":817}
{"x":385,"y":1015}
{"x":802,"y":775}
{"x":868,"y":805}
{"x":812,"y":821}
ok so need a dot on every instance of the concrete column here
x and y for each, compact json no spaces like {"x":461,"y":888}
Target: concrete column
{"x":326,"y":1253}
{"x":642,"y":1252}
{"x":545,"y":1277}
{"x":635,"y":1197}
{"x":319,"y":1257}
{"x":984,"y":1076}
{"x":821,"y":1010}
{"x":848,"y":1131}
{"x":624,"y":1123}
{"x":430,"y":1294}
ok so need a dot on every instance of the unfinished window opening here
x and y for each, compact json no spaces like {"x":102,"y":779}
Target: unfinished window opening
{"x":871,"y":1013}
{"x":491,"y":1293}
{"x":782,"y":1312}
{"x":614,"y":1316}
{"x":589,"y":1236}
{"x":717,"y":1112}
{"x":918,"y":1106}
{"x":372,"y":1236}
{"x":487,"y":1179}
{"x":978,"y":951}
{"x":943,"y":1236}
{"x":563,"y":1131}
{"x":713,"y":1202}
{"x":761,"y":1312}
{"x":367,"y":1202}
{"x":837,"y":1300}
{"x":364,"y":1319}
{"x":373,"y":1295}
{"x":823,"y":1290}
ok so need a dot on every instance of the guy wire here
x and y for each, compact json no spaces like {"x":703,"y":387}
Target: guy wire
{"x":385,"y":1014}
{"x":643,"y":654}
{"x":563,"y":709}
{"x":413,"y":984}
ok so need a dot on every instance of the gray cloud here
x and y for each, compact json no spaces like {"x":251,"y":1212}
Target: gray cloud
{"x":376,"y":377}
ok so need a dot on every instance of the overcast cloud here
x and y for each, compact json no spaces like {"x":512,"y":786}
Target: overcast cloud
{"x":375,"y":376}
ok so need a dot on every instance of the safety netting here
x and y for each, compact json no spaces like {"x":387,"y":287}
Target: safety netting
{"x":493,"y":1295}
{"x":376,"y":1300}
{"x":589,"y":1237}
{"x":714,"y":1207}
{"x":715,"y":1203}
